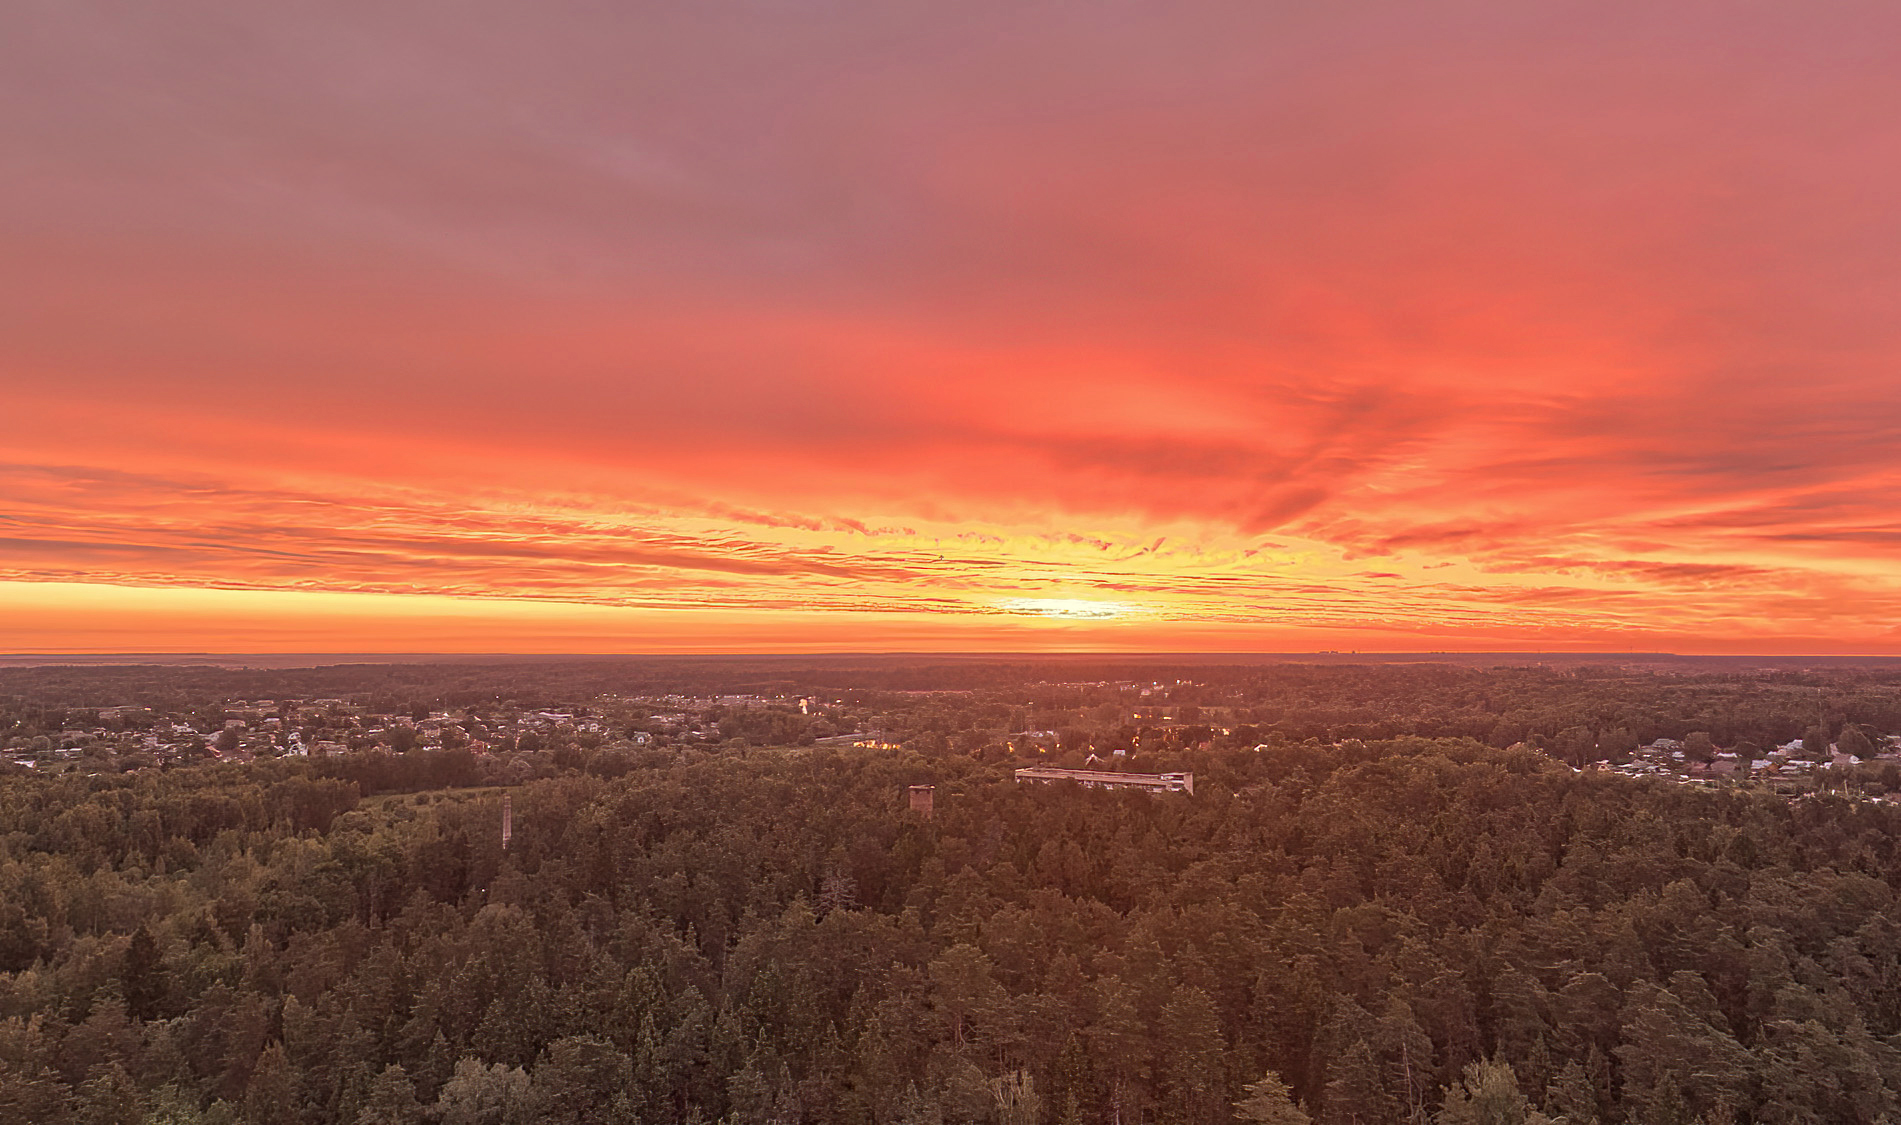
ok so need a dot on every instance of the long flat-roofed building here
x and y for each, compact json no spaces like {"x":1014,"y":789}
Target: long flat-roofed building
{"x":1108,"y":779}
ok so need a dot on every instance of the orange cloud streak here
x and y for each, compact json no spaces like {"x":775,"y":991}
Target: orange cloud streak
{"x":1469,"y":328}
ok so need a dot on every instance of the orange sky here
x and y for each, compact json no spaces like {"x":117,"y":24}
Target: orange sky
{"x":849,"y":325}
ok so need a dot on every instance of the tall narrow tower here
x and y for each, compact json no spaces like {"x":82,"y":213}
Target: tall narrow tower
{"x":508,"y":820}
{"x":924,"y":800}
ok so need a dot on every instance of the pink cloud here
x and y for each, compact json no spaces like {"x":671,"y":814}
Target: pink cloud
{"x":866,"y":305}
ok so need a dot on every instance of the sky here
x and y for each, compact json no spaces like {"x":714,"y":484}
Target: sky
{"x":853,"y":325}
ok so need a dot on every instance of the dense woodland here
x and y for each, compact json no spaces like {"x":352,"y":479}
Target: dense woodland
{"x":1396,"y":931}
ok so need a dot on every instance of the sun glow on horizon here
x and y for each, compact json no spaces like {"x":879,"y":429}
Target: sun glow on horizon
{"x":1069,"y":609}
{"x":1260,"y":331}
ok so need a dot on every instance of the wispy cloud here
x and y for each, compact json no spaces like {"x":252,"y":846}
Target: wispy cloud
{"x":1456,"y":324}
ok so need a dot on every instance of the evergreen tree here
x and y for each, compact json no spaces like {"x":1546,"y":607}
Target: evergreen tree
{"x":270,"y":1098}
{"x":109,"y":1097}
{"x":1677,"y":1060}
{"x":1017,"y":1101}
{"x":390,"y":1100}
{"x":1570,"y":1098}
{"x":1120,"y":1046}
{"x":1488,"y":1094}
{"x":1194,"y":1075}
{"x":487,"y":1095}
{"x":1355,"y":1093}
{"x":1269,"y":1103}
{"x":30,"y":1090}
{"x":143,"y":978}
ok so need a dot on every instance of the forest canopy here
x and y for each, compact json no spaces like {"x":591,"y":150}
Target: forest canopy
{"x":1391,"y":931}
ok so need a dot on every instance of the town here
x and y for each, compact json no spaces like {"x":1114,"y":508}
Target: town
{"x":120,"y":720}
{"x":697,"y":892}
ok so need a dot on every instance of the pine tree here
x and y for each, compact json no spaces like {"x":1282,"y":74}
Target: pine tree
{"x":1675,"y":1057}
{"x":1488,"y":1094}
{"x":1355,"y":1095}
{"x":1571,"y":1097}
{"x":1120,"y":1044}
{"x":270,"y":1097}
{"x":1072,"y":1110}
{"x":488,"y":1095}
{"x":390,"y":1100}
{"x":1017,"y":1100}
{"x":1269,"y":1103}
{"x":109,"y":1097}
{"x":1407,"y":1051}
{"x":143,"y":977}
{"x":1196,"y":1084}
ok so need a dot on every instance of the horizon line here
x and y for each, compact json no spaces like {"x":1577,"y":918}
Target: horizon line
{"x":153,"y":656}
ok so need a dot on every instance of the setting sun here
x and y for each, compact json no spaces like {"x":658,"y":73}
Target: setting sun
{"x":1076,"y":609}
{"x":866,"y":327}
